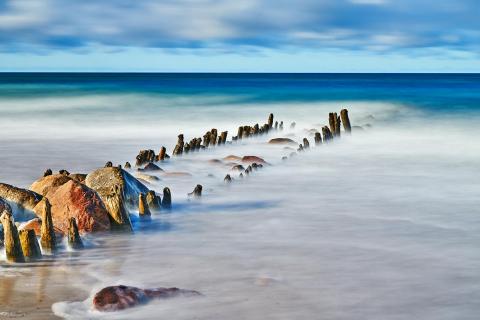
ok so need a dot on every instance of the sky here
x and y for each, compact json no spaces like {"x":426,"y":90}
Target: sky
{"x":240,"y":35}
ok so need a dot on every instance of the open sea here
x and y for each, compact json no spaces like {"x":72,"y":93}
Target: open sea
{"x":383,"y":224}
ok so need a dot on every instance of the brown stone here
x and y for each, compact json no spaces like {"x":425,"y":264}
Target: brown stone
{"x":282,"y":141}
{"x":49,"y":184}
{"x":252,"y":159}
{"x":121,"y":297}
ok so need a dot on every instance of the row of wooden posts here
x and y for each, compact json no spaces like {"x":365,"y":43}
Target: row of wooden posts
{"x":210,"y":139}
{"x":22,"y":246}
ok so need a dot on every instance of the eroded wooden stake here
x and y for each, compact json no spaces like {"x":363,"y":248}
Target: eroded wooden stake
{"x":30,"y":247}
{"x":74,"y":240}
{"x":167,"y":198}
{"x":346,"y":121}
{"x":12,"y":245}
{"x":48,"y":239}
{"x":143,"y":209}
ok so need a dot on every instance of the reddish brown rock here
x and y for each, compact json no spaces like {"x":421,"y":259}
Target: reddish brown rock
{"x":117,"y":298}
{"x":49,"y":184}
{"x":252,"y":159}
{"x":232,"y":158}
{"x":75,"y":200}
{"x":80,"y":177}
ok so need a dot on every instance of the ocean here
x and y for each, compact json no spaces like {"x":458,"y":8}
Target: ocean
{"x":381,"y":224}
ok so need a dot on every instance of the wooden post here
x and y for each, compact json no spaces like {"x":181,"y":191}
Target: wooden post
{"x":13,"y":248}
{"x":331,"y":121}
{"x":318,"y":138}
{"x":30,"y":247}
{"x":327,"y":134}
{"x":306,"y":144}
{"x":179,"y":147}
{"x":337,"y":125}
{"x":143,"y":209}
{"x":223,"y":137}
{"x":161,"y":154}
{"x":276,"y":125}
{"x":154,"y":202}
{"x":197,"y":192}
{"x":300,"y":148}
{"x":127,"y":165}
{"x":281,"y":125}
{"x":213,"y":137}
{"x":48,"y":239}
{"x":270,"y":121}
{"x":118,"y":213}
{"x":167,"y":198}
{"x":74,"y":240}
{"x":240,"y":133}
{"x":292,"y":125}
{"x":346,"y":121}
{"x":227,"y":178}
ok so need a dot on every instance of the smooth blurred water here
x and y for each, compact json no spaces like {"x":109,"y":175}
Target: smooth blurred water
{"x":383,"y":224}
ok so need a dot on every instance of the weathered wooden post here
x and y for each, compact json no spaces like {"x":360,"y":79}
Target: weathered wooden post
{"x":300,"y":148}
{"x":276,"y":125}
{"x":318,"y":138}
{"x":213,"y":137}
{"x":292,"y":125}
{"x":161,"y":154}
{"x":346,"y":121}
{"x":327,"y":134}
{"x":306,"y":143}
{"x":128,"y":165}
{"x":143,"y":209}
{"x":115,"y":203}
{"x":154,"y":202}
{"x":240,"y":133}
{"x":337,"y":125}
{"x":31,"y":249}
{"x":167,"y":198}
{"x":227,"y":178}
{"x":48,"y":239}
{"x":109,"y":164}
{"x":74,"y":240}
{"x":11,"y":240}
{"x":331,"y":121}
{"x":197,"y":192}
{"x":270,"y":121}
{"x":223,"y":137}
{"x":281,"y":125}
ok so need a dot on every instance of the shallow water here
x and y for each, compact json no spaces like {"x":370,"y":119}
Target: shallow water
{"x":382,"y":224}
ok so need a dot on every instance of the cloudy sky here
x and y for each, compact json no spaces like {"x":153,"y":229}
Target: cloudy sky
{"x":241,"y":35}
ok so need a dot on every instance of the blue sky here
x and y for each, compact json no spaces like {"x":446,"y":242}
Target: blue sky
{"x":242,"y":35}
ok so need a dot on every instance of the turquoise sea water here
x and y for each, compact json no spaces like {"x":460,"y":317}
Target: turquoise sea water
{"x":382,"y":224}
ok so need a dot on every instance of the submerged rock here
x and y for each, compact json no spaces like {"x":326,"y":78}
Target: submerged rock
{"x":21,"y":201}
{"x":252,"y":159}
{"x":232,"y":158}
{"x":151,"y":167}
{"x":121,"y":297}
{"x":282,"y":141}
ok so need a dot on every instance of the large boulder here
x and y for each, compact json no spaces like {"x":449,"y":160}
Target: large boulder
{"x":253,"y":159}
{"x":117,"y":298}
{"x":76,"y":200}
{"x":116,"y":188}
{"x":21,"y":201}
{"x":49,"y":184}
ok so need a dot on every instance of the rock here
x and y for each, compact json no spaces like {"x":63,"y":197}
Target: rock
{"x":151,"y":167}
{"x":128,"y":165}
{"x":358,"y":128}
{"x":252,"y":159}
{"x":215,"y":161}
{"x":177,"y":174}
{"x":49,"y":184}
{"x":145,"y":156}
{"x":232,"y":158}
{"x":80,"y":177}
{"x":227,"y":178}
{"x":76,"y":200}
{"x":109,"y":164}
{"x":4,"y":206}
{"x":116,"y":187}
{"x":282,"y":141}
{"x":121,"y":297}
{"x":147,"y":177}
{"x":21,"y":201}
{"x":47,"y":172}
